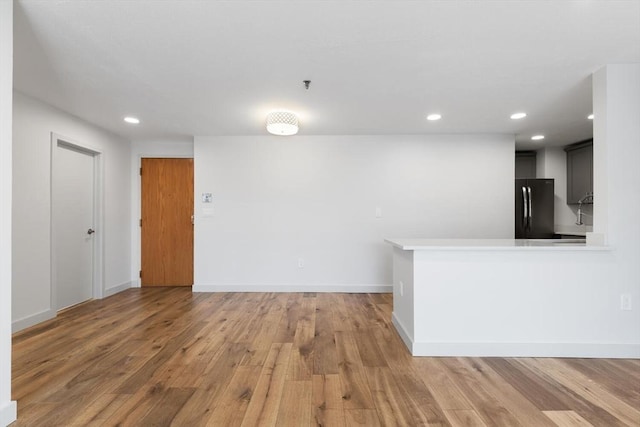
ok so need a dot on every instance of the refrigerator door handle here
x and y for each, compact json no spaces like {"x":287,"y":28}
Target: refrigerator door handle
{"x":525,"y":211}
{"x":530,"y":207}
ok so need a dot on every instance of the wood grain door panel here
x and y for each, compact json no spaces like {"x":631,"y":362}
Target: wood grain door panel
{"x":167,"y":228}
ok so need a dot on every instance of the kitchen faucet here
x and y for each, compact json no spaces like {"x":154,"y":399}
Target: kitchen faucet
{"x":587,"y":198}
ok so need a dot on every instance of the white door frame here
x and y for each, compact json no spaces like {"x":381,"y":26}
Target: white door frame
{"x":98,"y":214}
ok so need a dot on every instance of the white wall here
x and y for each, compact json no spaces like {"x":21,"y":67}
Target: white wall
{"x":278,"y":200}
{"x":552,"y":163}
{"x":33,"y":123}
{"x":176,"y":147}
{"x":525,"y":302}
{"x":616,"y":173}
{"x":616,"y":131}
{"x":404,"y":294}
{"x":7,"y":407}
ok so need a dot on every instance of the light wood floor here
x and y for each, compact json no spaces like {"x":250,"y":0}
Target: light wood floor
{"x":148,"y":357}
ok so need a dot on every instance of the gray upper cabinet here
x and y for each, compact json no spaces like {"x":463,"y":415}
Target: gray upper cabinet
{"x":579,"y":170}
{"x":525,"y":164}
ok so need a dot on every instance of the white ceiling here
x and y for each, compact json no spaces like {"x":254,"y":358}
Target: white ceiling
{"x":378,"y":67}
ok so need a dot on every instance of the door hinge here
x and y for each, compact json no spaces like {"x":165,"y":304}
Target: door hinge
{"x":140,"y":171}
{"x":140,"y":222}
{"x":141,"y":274}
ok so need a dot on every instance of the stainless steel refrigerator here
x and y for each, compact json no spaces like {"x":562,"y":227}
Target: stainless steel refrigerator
{"x":534,"y":209}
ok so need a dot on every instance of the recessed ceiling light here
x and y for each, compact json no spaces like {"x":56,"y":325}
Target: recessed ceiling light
{"x":516,"y":116}
{"x":433,"y":117}
{"x":590,"y":116}
{"x":132,"y":120}
{"x":537,"y":137}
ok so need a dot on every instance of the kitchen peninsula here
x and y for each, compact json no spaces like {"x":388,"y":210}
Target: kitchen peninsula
{"x":498,"y":297}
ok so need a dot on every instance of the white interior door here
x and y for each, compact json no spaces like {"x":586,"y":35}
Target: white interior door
{"x":73,"y":225}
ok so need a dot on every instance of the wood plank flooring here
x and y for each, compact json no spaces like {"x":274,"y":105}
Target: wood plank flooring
{"x":165,"y":356}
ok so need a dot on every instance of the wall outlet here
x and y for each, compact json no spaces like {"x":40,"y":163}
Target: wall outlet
{"x":625,"y":302}
{"x":378,"y":212}
{"x":300,"y":263}
{"x":401,"y":288}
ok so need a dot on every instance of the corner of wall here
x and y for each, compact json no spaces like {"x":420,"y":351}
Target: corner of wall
{"x":600,"y":157}
{"x":32,"y":320}
{"x":8,"y":409}
{"x":117,"y":289}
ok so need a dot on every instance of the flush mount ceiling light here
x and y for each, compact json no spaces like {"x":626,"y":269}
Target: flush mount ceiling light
{"x":590,"y":116}
{"x":282,"y":123}
{"x":537,"y":137}
{"x":516,"y":116}
{"x":132,"y":120}
{"x":433,"y":117}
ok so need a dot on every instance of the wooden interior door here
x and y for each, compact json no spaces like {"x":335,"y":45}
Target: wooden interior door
{"x":167,"y":225}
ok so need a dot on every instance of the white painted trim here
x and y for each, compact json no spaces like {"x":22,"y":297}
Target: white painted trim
{"x":402,"y":331}
{"x":32,"y":319}
{"x":117,"y":289}
{"x":496,"y":349}
{"x":98,"y":212}
{"x":8,"y":413}
{"x":480,"y":349}
{"x":485,"y":349}
{"x":221,"y":287}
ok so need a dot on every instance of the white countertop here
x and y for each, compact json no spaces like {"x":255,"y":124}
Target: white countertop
{"x":493,"y":244}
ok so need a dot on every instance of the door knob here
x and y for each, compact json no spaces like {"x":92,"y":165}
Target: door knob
{"x":91,"y":231}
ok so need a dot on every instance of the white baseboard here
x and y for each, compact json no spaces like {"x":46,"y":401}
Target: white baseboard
{"x":374,"y":289}
{"x":117,"y":289}
{"x":34,"y":319}
{"x":8,"y":413}
{"x":498,"y":349}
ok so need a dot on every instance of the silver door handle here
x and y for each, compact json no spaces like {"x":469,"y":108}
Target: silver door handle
{"x":530,"y":207}
{"x":525,"y":214}
{"x":91,"y":231}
